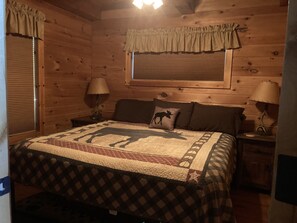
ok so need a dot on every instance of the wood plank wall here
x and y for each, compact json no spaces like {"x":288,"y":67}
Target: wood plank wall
{"x":68,"y":61}
{"x":75,"y":48}
{"x":262,"y":35}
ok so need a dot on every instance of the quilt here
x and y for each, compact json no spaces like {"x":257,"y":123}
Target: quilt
{"x":171,"y":176}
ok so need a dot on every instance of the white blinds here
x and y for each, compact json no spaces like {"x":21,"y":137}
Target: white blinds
{"x":20,"y":91}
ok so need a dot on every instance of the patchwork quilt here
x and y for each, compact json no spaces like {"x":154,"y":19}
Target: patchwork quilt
{"x":171,"y":176}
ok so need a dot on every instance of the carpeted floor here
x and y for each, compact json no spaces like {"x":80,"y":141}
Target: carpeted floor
{"x":49,"y":208}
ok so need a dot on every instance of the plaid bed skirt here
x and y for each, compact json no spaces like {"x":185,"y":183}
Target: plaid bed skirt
{"x":136,"y":194}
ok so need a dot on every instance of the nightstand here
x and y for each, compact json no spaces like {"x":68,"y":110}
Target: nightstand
{"x":255,"y":160}
{"x":81,"y":121}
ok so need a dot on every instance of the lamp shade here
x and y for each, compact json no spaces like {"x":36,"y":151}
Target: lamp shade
{"x":267,"y":92}
{"x":98,"y":86}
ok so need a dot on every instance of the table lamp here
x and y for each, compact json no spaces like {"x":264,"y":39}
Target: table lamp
{"x":266,"y":92}
{"x":97,"y":87}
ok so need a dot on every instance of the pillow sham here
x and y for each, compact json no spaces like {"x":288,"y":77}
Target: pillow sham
{"x":184,"y":116}
{"x":131,"y":110}
{"x":216,"y":118}
{"x":164,"y":118}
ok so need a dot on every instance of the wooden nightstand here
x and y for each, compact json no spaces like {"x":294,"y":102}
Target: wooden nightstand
{"x":81,"y":121}
{"x":255,"y":160}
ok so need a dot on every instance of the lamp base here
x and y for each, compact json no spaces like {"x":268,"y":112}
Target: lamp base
{"x":263,"y":131}
{"x":96,"y":116}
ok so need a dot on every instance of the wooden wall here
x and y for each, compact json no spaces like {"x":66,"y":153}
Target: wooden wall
{"x":76,"y":49}
{"x":262,"y":36}
{"x":67,"y":57}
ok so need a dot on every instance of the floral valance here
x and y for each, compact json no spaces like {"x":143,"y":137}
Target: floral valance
{"x":23,"y":20}
{"x":183,"y":39}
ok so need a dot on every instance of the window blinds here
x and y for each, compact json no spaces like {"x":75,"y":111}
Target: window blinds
{"x":20,"y":84}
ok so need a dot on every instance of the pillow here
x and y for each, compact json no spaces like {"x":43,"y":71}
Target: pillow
{"x":216,"y":118}
{"x":164,"y":118}
{"x":131,"y":110}
{"x":184,"y":116}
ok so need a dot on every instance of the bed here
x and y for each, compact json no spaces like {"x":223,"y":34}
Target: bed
{"x":171,"y":176}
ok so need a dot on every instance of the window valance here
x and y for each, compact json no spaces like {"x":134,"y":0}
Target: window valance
{"x":23,"y":20}
{"x":183,"y":39}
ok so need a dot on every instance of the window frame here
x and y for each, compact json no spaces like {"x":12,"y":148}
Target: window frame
{"x":225,"y":84}
{"x":15,"y":138}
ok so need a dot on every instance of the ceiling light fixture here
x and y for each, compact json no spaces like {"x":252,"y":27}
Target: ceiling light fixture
{"x":156,"y":3}
{"x":148,"y":2}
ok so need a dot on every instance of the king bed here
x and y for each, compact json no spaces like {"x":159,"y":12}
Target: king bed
{"x":179,"y":175}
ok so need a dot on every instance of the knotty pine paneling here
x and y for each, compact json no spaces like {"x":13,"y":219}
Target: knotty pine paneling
{"x":68,"y":61}
{"x":208,"y":5}
{"x":262,"y":35}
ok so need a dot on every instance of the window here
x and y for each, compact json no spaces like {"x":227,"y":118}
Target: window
{"x":205,"y":70}
{"x":22,"y":86}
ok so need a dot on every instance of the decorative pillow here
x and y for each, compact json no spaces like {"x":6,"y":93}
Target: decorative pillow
{"x":216,"y":118}
{"x":164,"y":118}
{"x":184,"y":116}
{"x":131,"y":110}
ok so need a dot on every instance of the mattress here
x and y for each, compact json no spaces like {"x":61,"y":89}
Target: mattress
{"x":171,"y":176}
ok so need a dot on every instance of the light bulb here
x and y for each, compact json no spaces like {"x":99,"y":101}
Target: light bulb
{"x":138,"y":3}
{"x":148,"y":2}
{"x":158,"y":4}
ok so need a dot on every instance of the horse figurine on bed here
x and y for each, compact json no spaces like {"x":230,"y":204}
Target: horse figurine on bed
{"x":133,"y":134}
{"x":161,"y":115}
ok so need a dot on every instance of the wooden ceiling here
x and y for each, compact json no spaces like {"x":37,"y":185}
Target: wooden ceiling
{"x":100,"y":9}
